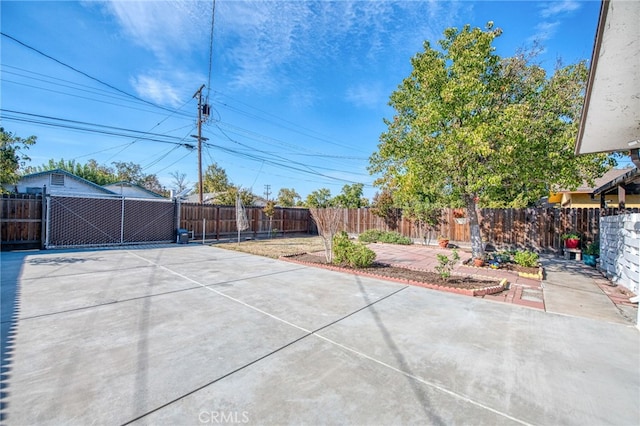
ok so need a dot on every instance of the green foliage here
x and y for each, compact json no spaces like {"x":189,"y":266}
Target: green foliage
{"x":446,"y":264}
{"x":12,"y":156}
{"x":287,"y":197}
{"x":526,"y":258}
{"x":377,"y":236}
{"x":91,"y":170}
{"x":592,"y":249}
{"x":384,"y":206}
{"x":571,"y":236}
{"x":352,"y":254}
{"x":319,"y":198}
{"x":270,"y":208}
{"x":215,"y":180}
{"x":228,"y":198}
{"x":480,"y":129}
{"x":350,"y":197}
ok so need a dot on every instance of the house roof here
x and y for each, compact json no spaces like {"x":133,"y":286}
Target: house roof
{"x":606,"y":178}
{"x":632,"y":176}
{"x":70,"y":175}
{"x":133,"y":185}
{"x":610,"y":118}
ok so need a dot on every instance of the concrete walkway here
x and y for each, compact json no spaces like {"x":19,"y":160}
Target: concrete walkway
{"x":569,"y":287}
{"x":190,"y":334}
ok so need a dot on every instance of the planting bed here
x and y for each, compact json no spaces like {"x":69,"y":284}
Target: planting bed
{"x":457,"y":284}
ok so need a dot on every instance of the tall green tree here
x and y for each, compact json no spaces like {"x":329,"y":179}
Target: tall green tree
{"x":12,"y":156}
{"x":351,"y":197}
{"x":215,"y":180}
{"x":287,"y":197}
{"x":320,"y":198}
{"x":473,"y":127}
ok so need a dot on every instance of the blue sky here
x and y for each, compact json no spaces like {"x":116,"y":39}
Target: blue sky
{"x":298,"y":89}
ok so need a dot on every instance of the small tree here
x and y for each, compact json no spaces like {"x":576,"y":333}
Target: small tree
{"x":270,"y":210}
{"x":12,"y":157}
{"x":384,"y":206}
{"x":328,"y":221}
{"x":287,"y":197}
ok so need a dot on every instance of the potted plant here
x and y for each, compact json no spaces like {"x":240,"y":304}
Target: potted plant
{"x":478,"y":261}
{"x":571,"y":240}
{"x":591,"y":253}
{"x":460,"y":216}
{"x":443,"y":241}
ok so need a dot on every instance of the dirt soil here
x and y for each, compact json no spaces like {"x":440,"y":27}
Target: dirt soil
{"x":384,"y":270}
{"x":299,"y":247}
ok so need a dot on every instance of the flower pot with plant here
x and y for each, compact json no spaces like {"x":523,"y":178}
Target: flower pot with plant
{"x":460,"y":216}
{"x":591,"y":253}
{"x":571,"y":240}
{"x":443,"y":241}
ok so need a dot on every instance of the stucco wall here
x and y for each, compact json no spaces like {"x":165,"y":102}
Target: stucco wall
{"x":585,"y":201}
{"x":620,"y":249}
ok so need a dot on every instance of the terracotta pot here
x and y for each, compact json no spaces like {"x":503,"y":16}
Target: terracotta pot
{"x":478,"y":262}
{"x":443,"y":243}
{"x":571,"y":243}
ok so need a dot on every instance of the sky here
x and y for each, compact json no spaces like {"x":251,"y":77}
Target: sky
{"x":298,"y":90}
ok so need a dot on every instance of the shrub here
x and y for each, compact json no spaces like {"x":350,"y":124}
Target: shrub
{"x":370,"y":236}
{"x":353,"y":254}
{"x":391,"y":237}
{"x":446,"y":264}
{"x":527,"y":258}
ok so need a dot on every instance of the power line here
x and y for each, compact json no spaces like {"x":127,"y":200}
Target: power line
{"x":81,"y":72}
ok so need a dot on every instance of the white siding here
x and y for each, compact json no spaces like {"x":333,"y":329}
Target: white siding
{"x":71,"y":185}
{"x":620,"y":249}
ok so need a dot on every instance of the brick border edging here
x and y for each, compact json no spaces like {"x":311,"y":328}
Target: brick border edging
{"x":502,"y":285}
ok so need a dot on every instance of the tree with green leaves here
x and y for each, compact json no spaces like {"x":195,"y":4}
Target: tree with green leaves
{"x":475,"y":128}
{"x":91,"y":171}
{"x":287,"y":197}
{"x":12,"y":156}
{"x":215,"y":180}
{"x":319,"y":198}
{"x":228,"y":198}
{"x":351,"y":197}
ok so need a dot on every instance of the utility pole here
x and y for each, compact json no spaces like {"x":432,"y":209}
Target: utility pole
{"x":267,"y":191}
{"x":200,"y":139}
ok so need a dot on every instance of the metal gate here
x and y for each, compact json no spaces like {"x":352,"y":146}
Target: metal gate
{"x":74,"y":221}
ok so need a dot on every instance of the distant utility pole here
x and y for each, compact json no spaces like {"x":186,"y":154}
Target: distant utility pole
{"x":201,"y":109}
{"x":267,"y":189}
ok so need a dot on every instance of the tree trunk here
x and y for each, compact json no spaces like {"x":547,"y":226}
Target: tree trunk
{"x":477,"y":249}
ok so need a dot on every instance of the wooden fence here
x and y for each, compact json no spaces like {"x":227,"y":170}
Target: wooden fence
{"x":215,"y":222}
{"x":540,"y":229}
{"x":21,"y":221}
{"x":533,"y":228}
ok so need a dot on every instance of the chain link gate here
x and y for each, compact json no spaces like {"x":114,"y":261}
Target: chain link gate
{"x":74,"y":221}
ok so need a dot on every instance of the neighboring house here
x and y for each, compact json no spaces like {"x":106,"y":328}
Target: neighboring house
{"x":132,"y":190}
{"x":587,"y":196}
{"x":57,"y":182}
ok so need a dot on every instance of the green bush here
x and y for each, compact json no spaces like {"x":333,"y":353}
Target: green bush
{"x":353,"y":254}
{"x":375,"y":236}
{"x":527,"y":258}
{"x":370,"y":236}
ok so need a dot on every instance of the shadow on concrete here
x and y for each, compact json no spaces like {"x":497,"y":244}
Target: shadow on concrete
{"x":419,"y":391}
{"x":10,"y":293}
{"x":553,"y":264}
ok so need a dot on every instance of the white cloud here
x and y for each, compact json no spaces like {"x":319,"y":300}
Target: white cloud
{"x":171,"y":88}
{"x":161,"y":26}
{"x":553,"y":8}
{"x":366,"y":95}
{"x":545,"y":31}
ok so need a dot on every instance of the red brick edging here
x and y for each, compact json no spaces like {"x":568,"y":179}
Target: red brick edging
{"x":469,"y":292}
